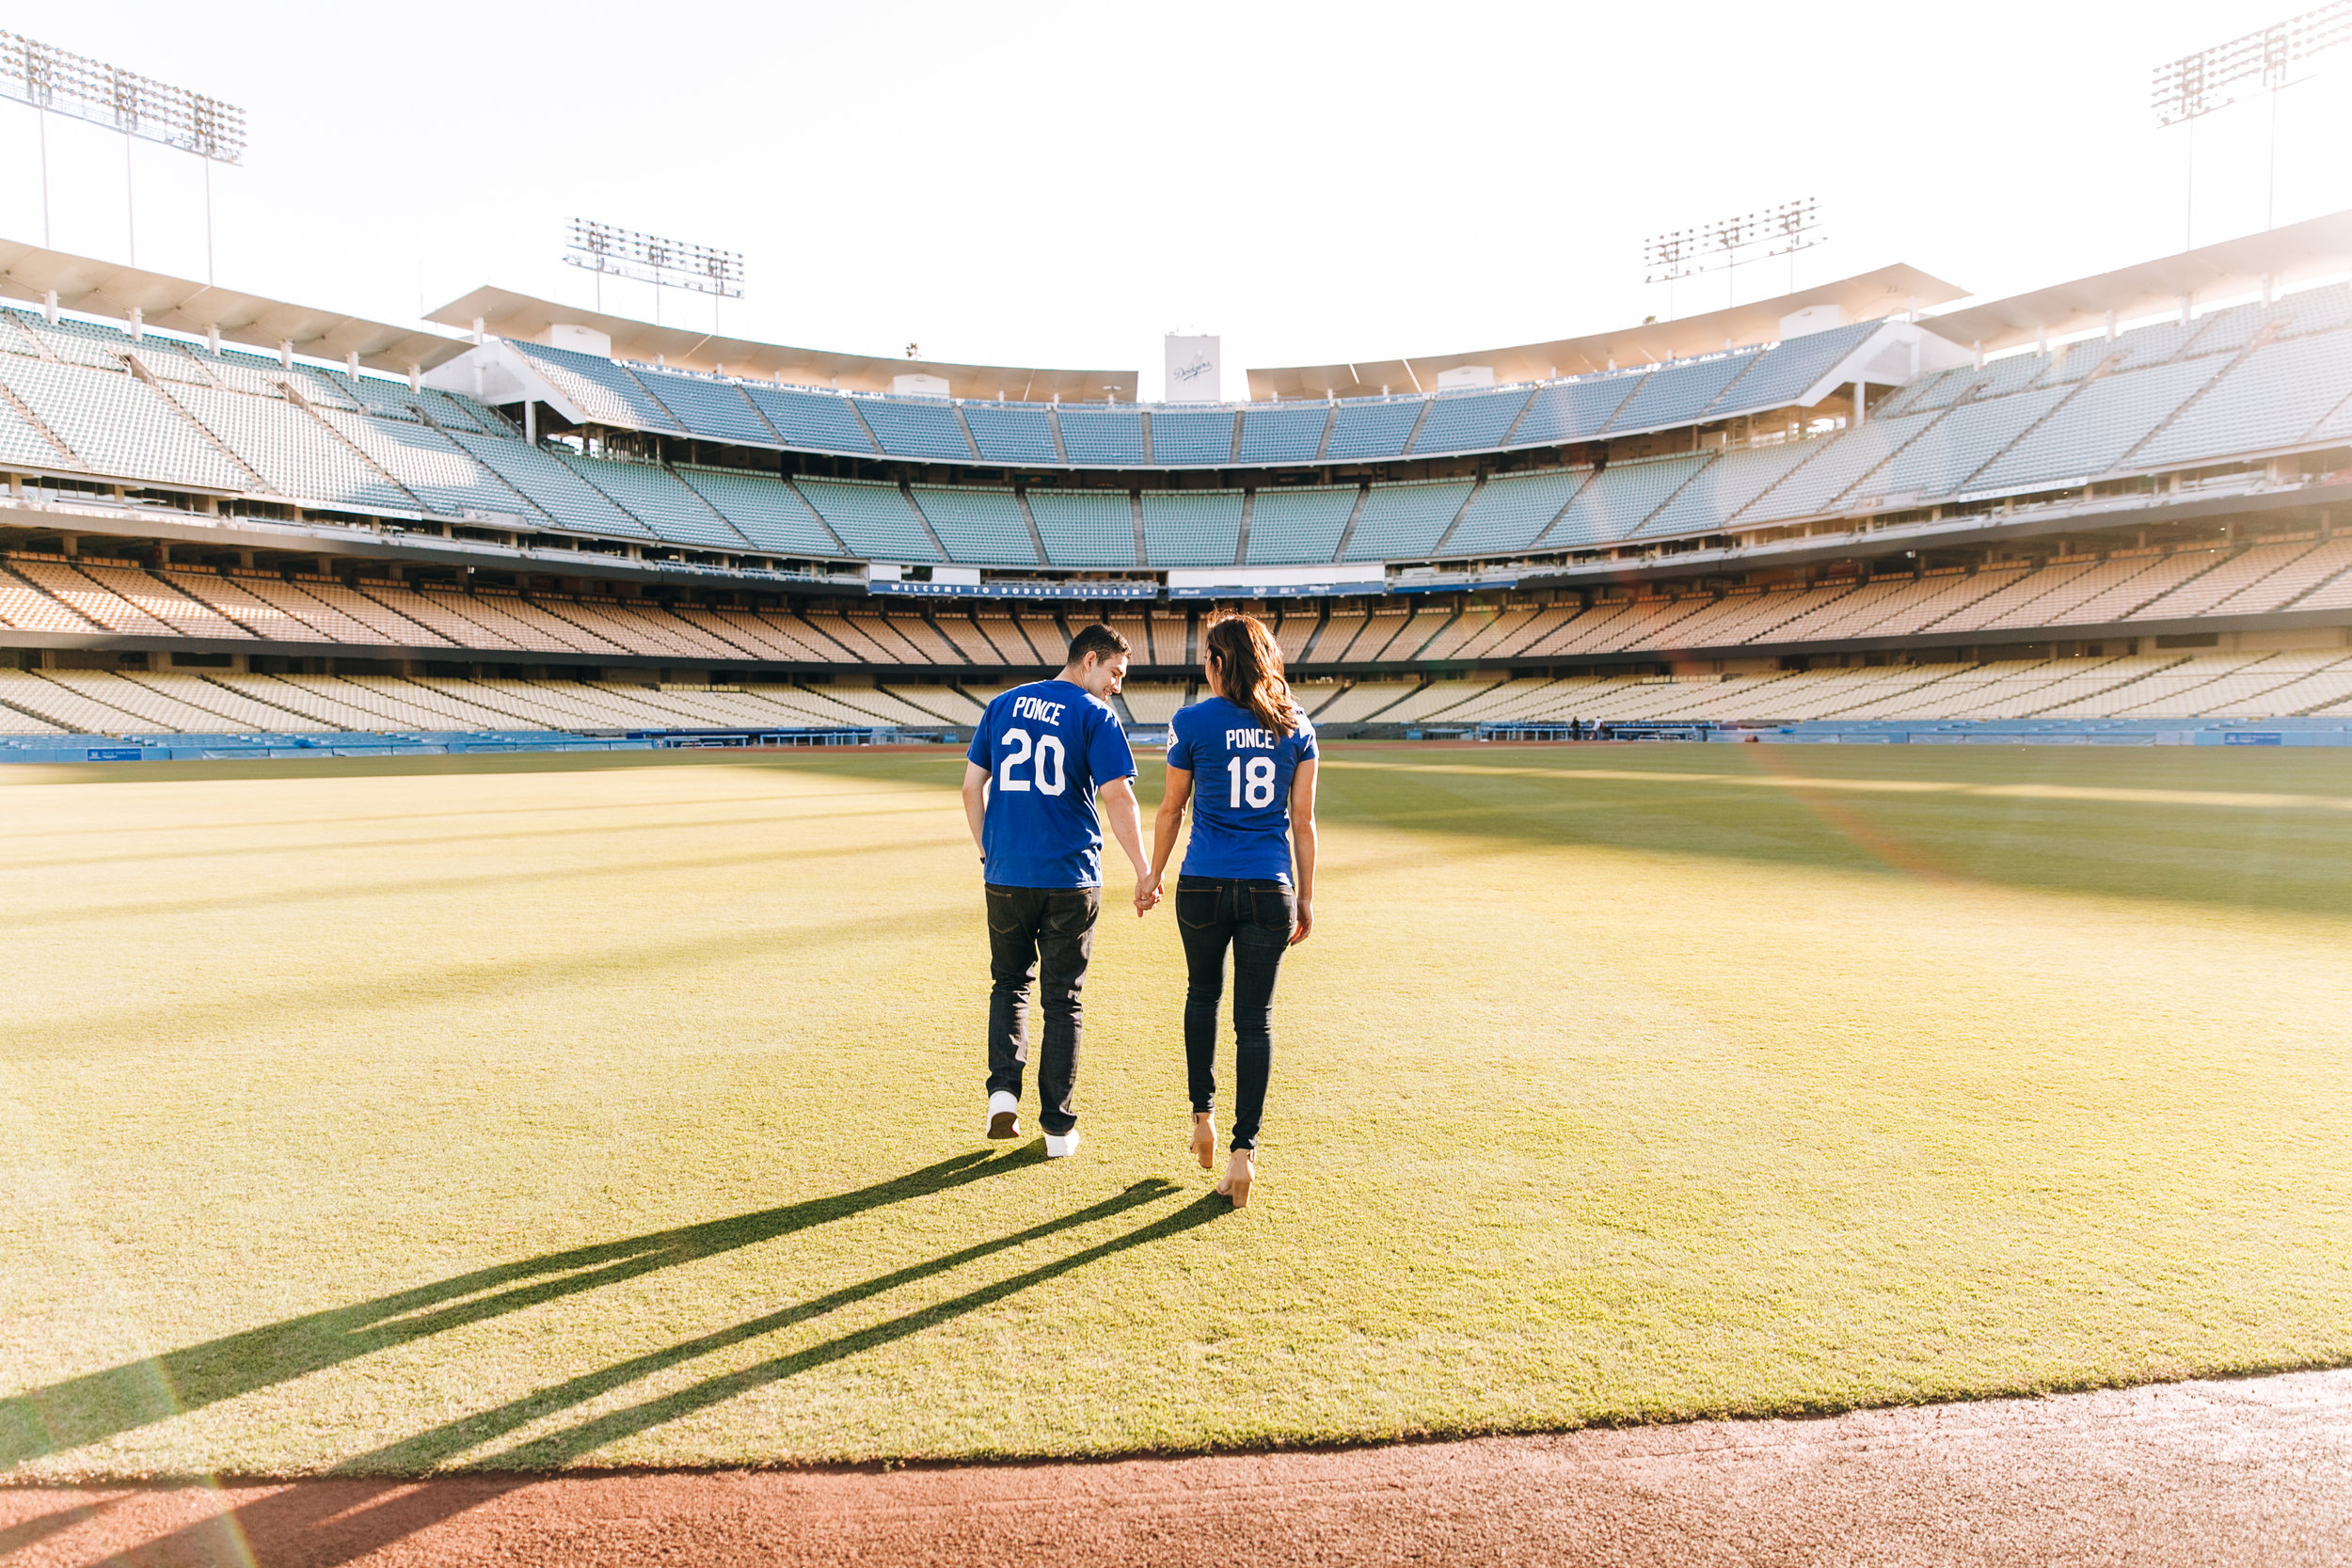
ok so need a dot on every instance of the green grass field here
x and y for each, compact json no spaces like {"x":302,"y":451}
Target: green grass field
{"x":616,"y":1111}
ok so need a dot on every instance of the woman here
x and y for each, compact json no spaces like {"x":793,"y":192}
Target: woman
{"x":1253,"y":753}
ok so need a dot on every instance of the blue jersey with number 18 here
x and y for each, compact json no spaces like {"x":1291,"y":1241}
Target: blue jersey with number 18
{"x":1241,"y":789}
{"x":1048,"y":746}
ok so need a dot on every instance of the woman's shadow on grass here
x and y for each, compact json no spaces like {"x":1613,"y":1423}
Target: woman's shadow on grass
{"x":335,"y":1520}
{"x":99,"y":1405}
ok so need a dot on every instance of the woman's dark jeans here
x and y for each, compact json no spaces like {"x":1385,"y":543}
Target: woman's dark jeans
{"x":1253,"y":918}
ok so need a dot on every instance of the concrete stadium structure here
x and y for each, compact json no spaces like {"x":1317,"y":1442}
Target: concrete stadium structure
{"x":2111,"y":510}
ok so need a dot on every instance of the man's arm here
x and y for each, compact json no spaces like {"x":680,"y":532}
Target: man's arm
{"x":1303,"y":837}
{"x":976,"y":802}
{"x":1125,"y":821}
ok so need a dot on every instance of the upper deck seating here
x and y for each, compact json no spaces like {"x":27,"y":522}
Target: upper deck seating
{"x":1085,"y":527}
{"x":1192,"y":528}
{"x":1678,"y":393}
{"x":568,"y":500}
{"x":1192,"y":437}
{"x":1511,"y":511}
{"x":1575,"y":410}
{"x":1301,"y":525}
{"x":907,"y":427}
{"x":1372,"y":427}
{"x":875,"y":520}
{"x":979,"y":526}
{"x":1614,"y":503}
{"x":656,"y":497}
{"x":1467,"y":421}
{"x":1405,"y":520}
{"x":603,"y":390}
{"x":1283,"y":432}
{"x":765,"y":510}
{"x":817,"y":421}
{"x":707,"y":406}
{"x":1012,"y":432}
{"x":1101,"y":435}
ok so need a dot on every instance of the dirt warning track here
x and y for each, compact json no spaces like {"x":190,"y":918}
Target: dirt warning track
{"x":2258,"y":1471}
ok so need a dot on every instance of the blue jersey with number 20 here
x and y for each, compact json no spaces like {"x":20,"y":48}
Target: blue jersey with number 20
{"x":1047,"y":747}
{"x":1241,"y":789}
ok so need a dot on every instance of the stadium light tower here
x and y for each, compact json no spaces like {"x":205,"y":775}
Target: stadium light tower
{"x":1729,"y":244}
{"x":2188,"y":89}
{"x":601,"y":248}
{"x":49,"y":78}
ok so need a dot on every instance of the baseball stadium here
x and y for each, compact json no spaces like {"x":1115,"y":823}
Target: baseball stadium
{"x":1835,"y":907}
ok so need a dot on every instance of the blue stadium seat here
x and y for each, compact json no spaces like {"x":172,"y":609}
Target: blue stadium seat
{"x":1372,"y":427}
{"x":1012,"y":432}
{"x":907,"y":427}
{"x":1199,"y":438}
{"x":1101,"y":435}
{"x":1085,"y":527}
{"x":1283,"y":432}
{"x":813,"y":422}
{"x":1469,"y":422}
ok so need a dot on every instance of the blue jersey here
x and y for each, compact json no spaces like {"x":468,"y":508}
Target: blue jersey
{"x":1241,"y":789}
{"x":1047,"y":747}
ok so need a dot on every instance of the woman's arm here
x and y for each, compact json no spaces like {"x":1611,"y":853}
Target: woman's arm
{"x":1303,"y":838}
{"x":1166,"y":822}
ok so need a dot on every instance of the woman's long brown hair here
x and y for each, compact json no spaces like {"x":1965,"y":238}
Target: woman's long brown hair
{"x":1249,"y":670}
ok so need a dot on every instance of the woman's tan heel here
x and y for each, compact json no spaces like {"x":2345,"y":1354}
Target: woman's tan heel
{"x":1205,"y":1139}
{"x":1241,"y":1174}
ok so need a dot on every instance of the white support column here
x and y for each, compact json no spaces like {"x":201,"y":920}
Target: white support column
{"x":285,"y":353}
{"x":2110,"y":327}
{"x":530,"y":421}
{"x":139,"y":324}
{"x":1861,"y":401}
{"x":416,"y":379}
{"x":351,"y":364}
{"x":49,"y":305}
{"x":212,"y":338}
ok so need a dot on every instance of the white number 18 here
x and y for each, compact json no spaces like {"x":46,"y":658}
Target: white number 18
{"x":1257,"y":784}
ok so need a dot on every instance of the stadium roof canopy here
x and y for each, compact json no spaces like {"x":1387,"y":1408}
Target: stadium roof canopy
{"x":2274,"y":259}
{"x":110,"y":288}
{"x":1870,"y":296}
{"x":506,"y":313}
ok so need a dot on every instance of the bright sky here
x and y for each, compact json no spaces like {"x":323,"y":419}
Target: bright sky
{"x":1059,"y":185}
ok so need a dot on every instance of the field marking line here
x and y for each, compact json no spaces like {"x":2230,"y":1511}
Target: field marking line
{"x":1882,"y":786}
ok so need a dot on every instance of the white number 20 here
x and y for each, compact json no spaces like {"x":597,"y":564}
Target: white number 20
{"x":1256,"y":784}
{"x":1049,"y":773}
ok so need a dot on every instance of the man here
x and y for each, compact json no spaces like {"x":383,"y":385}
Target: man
{"x":1041,"y":753}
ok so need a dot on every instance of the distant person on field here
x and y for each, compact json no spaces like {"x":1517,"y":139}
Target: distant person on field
{"x":1041,"y":753}
{"x":1244,"y":758}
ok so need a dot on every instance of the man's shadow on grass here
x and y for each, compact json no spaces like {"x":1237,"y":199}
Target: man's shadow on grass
{"x":442,"y":1442}
{"x":99,"y":1405}
{"x":339,"y":1519}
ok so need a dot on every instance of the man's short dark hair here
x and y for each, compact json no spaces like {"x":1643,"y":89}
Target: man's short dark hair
{"x":1098,"y":640}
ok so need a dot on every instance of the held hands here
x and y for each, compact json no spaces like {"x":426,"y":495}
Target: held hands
{"x":1148,"y":894}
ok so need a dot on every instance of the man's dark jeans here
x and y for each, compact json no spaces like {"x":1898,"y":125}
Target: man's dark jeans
{"x":1029,"y":928}
{"x":1252,"y":917}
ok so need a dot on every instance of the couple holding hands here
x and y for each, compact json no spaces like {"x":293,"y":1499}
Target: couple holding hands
{"x":1243,"y":760}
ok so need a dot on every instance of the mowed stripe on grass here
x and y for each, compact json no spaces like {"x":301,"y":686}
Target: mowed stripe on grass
{"x":503,"y":1112}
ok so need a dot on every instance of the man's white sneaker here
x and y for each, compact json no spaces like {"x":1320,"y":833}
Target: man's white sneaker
{"x":1061,"y":1145}
{"x":1004,"y":1114}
